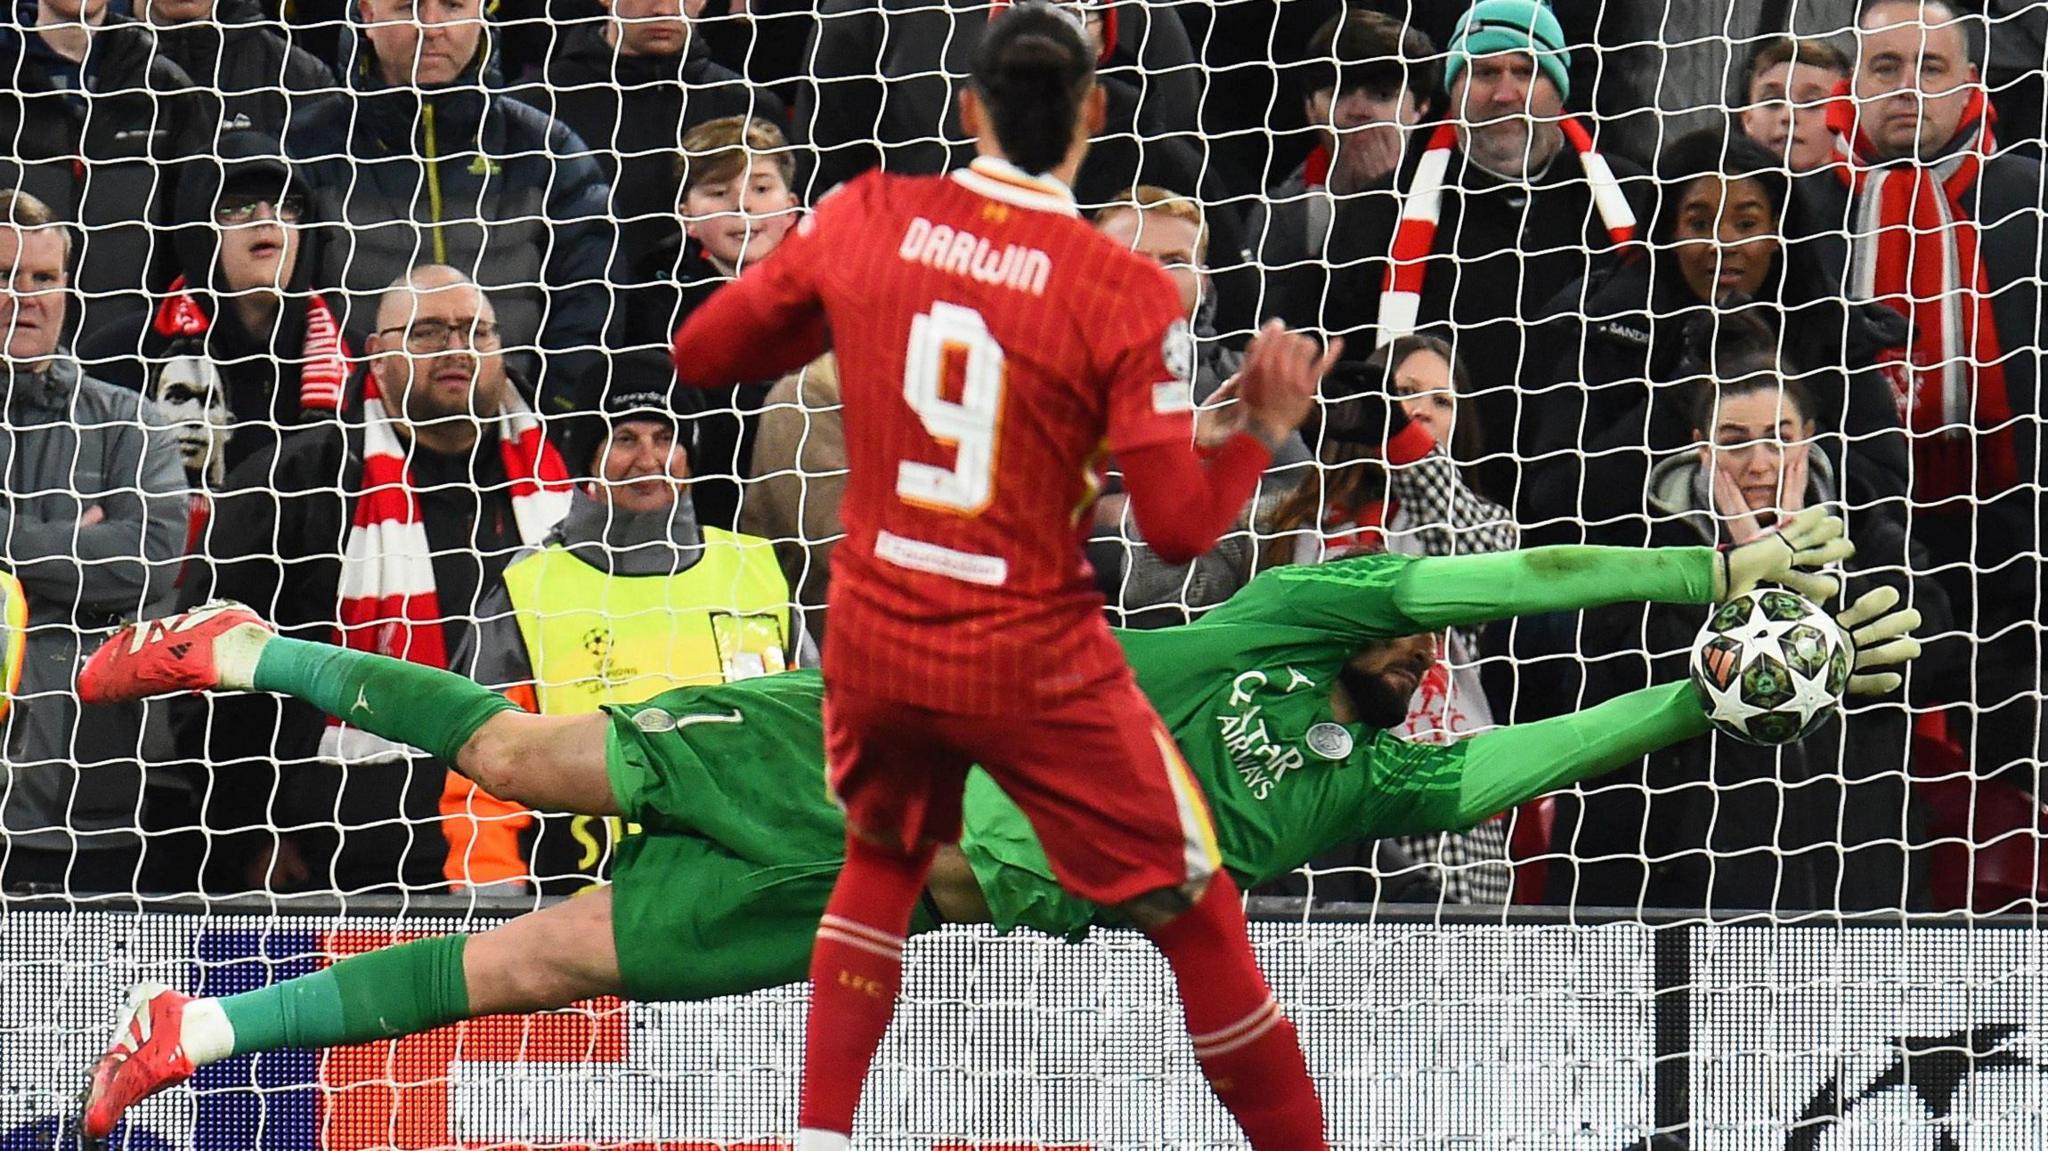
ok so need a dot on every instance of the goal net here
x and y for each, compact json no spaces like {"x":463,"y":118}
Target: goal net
{"x":1651,"y":274}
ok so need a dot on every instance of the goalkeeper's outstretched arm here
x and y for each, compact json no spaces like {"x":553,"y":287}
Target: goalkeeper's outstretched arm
{"x":1381,"y":596}
{"x":1513,"y":765}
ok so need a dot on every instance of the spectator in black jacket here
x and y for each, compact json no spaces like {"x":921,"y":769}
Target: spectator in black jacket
{"x":424,"y":163}
{"x":883,"y":73}
{"x":230,"y":47}
{"x":1508,"y":198}
{"x":238,"y":349}
{"x":93,"y":119}
{"x":1829,"y":823}
{"x":631,"y":86}
{"x":1619,"y":356}
{"x":883,"y":93}
{"x":1367,"y":80}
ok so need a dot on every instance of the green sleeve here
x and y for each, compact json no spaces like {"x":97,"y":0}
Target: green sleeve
{"x":1513,"y":765}
{"x":1377,"y":596}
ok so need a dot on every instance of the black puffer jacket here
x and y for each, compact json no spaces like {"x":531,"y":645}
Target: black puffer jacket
{"x":883,"y":90}
{"x":258,"y":74}
{"x":1824,"y":824}
{"x":145,"y":116}
{"x":466,"y":176}
{"x":259,"y":375}
{"x":1623,"y":334}
{"x":633,"y":111}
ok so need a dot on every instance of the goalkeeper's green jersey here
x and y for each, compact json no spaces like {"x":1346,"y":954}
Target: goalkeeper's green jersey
{"x":1246,"y":693}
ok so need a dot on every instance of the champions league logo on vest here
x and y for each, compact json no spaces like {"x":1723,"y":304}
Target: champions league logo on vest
{"x":1969,"y":1089}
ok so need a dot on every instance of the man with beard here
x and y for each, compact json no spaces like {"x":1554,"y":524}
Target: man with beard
{"x":1488,"y":214}
{"x":1280,"y":700}
{"x":428,"y":496}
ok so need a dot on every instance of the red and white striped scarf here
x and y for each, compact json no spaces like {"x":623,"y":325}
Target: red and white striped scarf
{"x":388,"y":602}
{"x":323,"y":357}
{"x":1415,"y":234}
{"x":1915,"y":247}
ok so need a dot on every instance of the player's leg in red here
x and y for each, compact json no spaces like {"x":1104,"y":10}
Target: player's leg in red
{"x":1125,"y":825}
{"x":901,"y":788}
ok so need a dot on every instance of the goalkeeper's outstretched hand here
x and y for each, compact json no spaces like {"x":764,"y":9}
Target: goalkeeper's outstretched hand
{"x":1881,"y":633}
{"x":1793,"y":555}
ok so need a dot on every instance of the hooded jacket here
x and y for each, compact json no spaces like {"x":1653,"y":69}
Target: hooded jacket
{"x":633,"y":112}
{"x":1622,"y":333}
{"x":466,"y":176}
{"x":78,"y":443}
{"x":258,"y":75}
{"x":145,"y":116}
{"x":260,"y":374}
{"x":1821,"y":824}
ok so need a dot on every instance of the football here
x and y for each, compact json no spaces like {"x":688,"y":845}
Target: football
{"x":1770,"y":666}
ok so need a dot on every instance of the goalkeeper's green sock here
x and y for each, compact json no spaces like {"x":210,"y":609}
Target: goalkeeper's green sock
{"x":424,"y":707}
{"x":386,"y":993}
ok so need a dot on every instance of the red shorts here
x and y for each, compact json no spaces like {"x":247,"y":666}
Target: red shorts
{"x":1105,"y":788}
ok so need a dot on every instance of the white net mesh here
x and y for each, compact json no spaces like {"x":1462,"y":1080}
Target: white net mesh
{"x":1659,"y":273}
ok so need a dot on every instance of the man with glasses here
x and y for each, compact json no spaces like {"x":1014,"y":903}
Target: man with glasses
{"x":238,"y":349}
{"x":443,"y":479}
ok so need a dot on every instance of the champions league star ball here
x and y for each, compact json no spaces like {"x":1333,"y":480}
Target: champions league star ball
{"x":1770,"y":667}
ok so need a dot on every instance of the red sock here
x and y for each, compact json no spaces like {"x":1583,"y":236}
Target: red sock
{"x":1246,"y":1047}
{"x":856,"y":971}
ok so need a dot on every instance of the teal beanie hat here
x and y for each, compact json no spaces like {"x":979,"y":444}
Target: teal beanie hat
{"x":1492,"y":26}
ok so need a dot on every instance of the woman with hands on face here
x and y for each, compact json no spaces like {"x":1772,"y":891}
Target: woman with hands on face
{"x":1827,"y":824}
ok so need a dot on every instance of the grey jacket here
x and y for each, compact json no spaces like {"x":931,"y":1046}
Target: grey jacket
{"x":74,"y":444}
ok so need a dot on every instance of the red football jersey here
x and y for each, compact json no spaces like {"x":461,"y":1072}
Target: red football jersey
{"x":993,"y":350}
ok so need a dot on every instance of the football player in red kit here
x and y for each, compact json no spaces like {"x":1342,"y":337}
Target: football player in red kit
{"x":993,"y":349}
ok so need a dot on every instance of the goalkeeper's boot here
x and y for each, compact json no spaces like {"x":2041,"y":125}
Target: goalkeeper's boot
{"x":147,"y":1055}
{"x":214,"y":645}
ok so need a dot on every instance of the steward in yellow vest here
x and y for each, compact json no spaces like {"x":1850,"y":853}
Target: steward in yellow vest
{"x":625,"y":599}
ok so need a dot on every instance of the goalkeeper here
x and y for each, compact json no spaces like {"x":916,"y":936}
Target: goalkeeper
{"x":1278,"y":698}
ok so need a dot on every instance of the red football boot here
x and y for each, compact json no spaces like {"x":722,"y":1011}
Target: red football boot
{"x":177,"y":653}
{"x":147,"y":1055}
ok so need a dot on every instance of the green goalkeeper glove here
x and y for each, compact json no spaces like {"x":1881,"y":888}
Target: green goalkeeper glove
{"x":1882,"y":639}
{"x":1791,"y":555}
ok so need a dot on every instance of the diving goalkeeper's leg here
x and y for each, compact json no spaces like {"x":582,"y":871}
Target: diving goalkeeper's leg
{"x":551,"y":762}
{"x":548,"y":958}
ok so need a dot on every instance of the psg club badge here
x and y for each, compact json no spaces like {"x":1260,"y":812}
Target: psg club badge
{"x":654,"y":721}
{"x":1329,"y":740}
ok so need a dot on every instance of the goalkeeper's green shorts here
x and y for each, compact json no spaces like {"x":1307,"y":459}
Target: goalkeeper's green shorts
{"x":739,"y":845}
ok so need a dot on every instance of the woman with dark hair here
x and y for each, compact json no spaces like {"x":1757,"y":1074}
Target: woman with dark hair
{"x":1391,"y":444}
{"x":1825,"y":824}
{"x":1716,"y":251}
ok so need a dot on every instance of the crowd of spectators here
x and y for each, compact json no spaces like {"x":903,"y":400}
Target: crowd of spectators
{"x":353,"y":313}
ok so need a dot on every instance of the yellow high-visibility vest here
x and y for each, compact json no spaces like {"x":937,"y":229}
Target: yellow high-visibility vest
{"x":593,"y":638}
